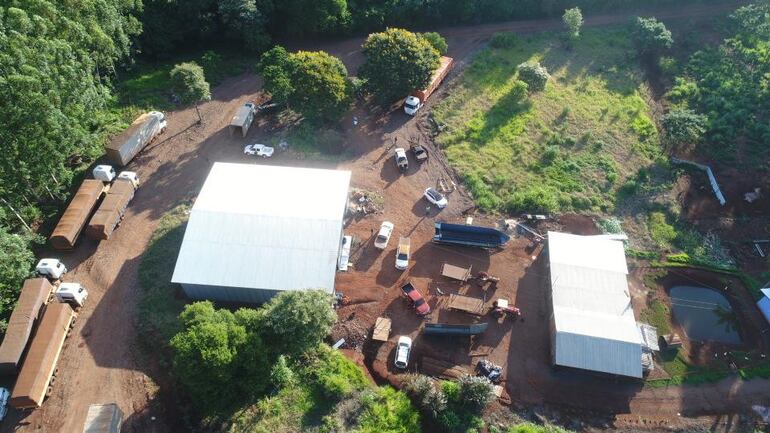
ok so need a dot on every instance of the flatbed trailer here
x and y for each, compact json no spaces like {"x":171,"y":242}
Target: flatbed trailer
{"x":381,"y":331}
{"x":32,"y":384}
{"x":467,"y":304}
{"x":111,"y":211}
{"x":34,"y":294}
{"x":456,"y":272}
{"x":77,"y":214}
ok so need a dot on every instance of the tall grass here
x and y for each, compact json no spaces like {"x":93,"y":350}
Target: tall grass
{"x":569,"y":147}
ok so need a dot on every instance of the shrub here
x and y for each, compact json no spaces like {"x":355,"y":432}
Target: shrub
{"x":335,"y":375}
{"x":296,"y":321}
{"x":534,"y":199}
{"x":504,"y":40}
{"x":424,"y":394}
{"x":684,"y":127}
{"x":437,"y":41}
{"x":387,"y":410}
{"x":661,"y":232}
{"x":651,"y":36}
{"x":475,"y":392}
{"x":550,"y":154}
{"x":534,"y":74}
{"x":282,"y":375}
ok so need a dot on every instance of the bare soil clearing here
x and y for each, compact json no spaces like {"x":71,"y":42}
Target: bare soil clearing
{"x":102,"y":362}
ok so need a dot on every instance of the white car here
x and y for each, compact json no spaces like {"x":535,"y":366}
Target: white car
{"x":403,"y":350}
{"x":402,"y":254}
{"x":259,"y":150}
{"x":4,"y":396}
{"x":436,"y":198}
{"x":383,"y":236}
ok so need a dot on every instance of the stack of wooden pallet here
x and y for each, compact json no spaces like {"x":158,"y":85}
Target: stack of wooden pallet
{"x":441,"y":369}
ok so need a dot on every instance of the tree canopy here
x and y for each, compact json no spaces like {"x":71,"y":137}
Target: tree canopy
{"x":397,"y":63}
{"x":651,"y":36}
{"x":296,"y":321}
{"x":573,"y":20}
{"x":189,"y":83}
{"x":314,"y":84}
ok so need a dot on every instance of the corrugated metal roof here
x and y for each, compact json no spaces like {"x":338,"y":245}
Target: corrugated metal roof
{"x":265,"y":227}
{"x":764,"y":304}
{"x":593,"y":316}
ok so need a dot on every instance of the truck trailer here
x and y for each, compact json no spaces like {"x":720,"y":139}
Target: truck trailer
{"x":34,"y":294}
{"x":77,"y":214}
{"x":126,"y":145}
{"x":243,"y":118}
{"x":417,"y":99}
{"x":111,"y":211}
{"x":32,"y":385}
{"x":469,"y":236}
{"x":103,"y":418}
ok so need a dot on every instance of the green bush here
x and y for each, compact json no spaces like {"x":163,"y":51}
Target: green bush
{"x":534,"y":199}
{"x":334,"y":375}
{"x":661,"y":232}
{"x":16,"y":262}
{"x":475,"y":393}
{"x":684,"y":127}
{"x":504,"y":40}
{"x":651,"y":36}
{"x":534,"y":74}
{"x":282,"y":375}
{"x":387,"y":410}
{"x":297,"y":321}
{"x":437,"y":41}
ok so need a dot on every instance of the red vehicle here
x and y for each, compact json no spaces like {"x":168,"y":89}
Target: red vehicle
{"x":416,"y":299}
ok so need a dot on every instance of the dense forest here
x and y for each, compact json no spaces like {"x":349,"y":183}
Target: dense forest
{"x":61,"y":59}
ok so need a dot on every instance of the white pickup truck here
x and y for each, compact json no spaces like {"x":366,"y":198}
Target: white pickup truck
{"x":259,"y":150}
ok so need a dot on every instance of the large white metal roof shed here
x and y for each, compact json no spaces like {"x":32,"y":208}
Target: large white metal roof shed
{"x":593,"y":325}
{"x":256,"y":230}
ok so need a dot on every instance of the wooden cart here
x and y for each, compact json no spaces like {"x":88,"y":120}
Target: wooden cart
{"x":467,"y":304}
{"x":456,"y":272}
{"x":381,"y":331}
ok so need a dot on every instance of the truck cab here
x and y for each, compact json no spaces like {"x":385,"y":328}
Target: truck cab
{"x":105,"y":173}
{"x":131,"y":177}
{"x":51,"y":268}
{"x":412,"y":105}
{"x":161,"y":120}
{"x":72,"y":293}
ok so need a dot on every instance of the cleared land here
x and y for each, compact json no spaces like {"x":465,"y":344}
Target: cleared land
{"x":569,"y":147}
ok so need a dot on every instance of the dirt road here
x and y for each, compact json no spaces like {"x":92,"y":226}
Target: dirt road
{"x":101,"y":361}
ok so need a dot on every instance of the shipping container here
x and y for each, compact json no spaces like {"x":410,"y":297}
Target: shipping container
{"x":40,"y":363}
{"x":34,"y":294}
{"x":77,"y":214}
{"x":111,"y":211}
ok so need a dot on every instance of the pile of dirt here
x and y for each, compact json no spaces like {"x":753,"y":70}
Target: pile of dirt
{"x":363,"y":203}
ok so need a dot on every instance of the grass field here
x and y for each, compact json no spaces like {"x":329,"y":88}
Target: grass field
{"x":569,"y":147}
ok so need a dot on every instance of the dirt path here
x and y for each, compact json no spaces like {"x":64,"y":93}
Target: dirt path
{"x":101,"y":361}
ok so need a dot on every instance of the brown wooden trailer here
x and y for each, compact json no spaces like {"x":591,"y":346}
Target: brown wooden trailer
{"x":34,"y":294}
{"x":77,"y":214}
{"x":110,"y":212}
{"x":40,"y":363}
{"x":467,"y":304}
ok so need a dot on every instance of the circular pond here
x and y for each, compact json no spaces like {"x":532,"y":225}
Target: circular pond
{"x":704,"y":314}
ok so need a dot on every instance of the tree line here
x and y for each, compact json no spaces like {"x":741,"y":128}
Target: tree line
{"x":253,"y":23}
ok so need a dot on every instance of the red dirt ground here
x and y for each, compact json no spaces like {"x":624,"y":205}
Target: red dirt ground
{"x":101,"y":361}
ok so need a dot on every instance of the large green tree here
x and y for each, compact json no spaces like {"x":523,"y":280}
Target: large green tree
{"x":296,"y":321}
{"x":397,"y":62}
{"x":188,"y":82}
{"x":219,"y":356}
{"x":314,"y":84}
{"x":651,"y":36}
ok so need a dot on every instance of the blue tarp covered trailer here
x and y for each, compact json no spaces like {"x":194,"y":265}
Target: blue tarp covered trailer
{"x":448,"y":329}
{"x":471,"y":236}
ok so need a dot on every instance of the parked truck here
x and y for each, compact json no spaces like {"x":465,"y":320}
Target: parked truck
{"x":126,"y":145}
{"x":77,"y":214}
{"x":34,"y":382}
{"x":113,"y":207}
{"x":243,"y":118}
{"x":34,"y":294}
{"x":103,"y":418}
{"x":417,"y":99}
{"x":470,"y":236}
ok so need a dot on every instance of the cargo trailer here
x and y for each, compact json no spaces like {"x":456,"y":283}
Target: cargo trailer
{"x":126,"y":145}
{"x":417,"y":99}
{"x":111,"y":211}
{"x":470,"y":236}
{"x":243,"y":118}
{"x":32,"y":385}
{"x":34,"y":294}
{"x":77,"y":214}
